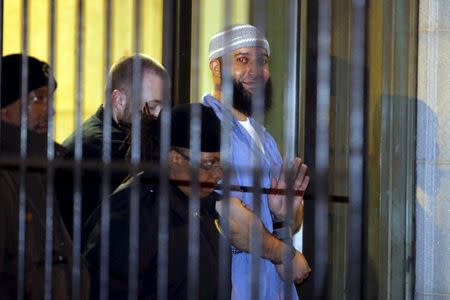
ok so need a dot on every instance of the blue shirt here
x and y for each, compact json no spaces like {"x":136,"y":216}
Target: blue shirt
{"x":243,"y":153}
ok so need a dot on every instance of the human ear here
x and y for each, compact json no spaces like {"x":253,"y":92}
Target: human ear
{"x":117,"y":98}
{"x":117,"y":104}
{"x":4,"y":114}
{"x":216,"y":68}
{"x":12,"y":113}
{"x":174,"y":157}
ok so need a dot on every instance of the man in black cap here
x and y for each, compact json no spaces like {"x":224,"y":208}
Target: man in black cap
{"x":178,"y":196}
{"x":38,"y":92}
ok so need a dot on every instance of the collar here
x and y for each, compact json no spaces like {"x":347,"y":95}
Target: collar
{"x":178,"y":201}
{"x":120,"y":126}
{"x":219,"y":109}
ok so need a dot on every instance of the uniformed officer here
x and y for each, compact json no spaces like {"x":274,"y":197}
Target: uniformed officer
{"x":179,"y":196}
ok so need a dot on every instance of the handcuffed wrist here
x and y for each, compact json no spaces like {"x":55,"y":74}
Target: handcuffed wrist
{"x":284,"y":234}
{"x":288,"y":254}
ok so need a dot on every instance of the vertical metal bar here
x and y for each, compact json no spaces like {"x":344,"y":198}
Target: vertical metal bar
{"x":291,"y":83}
{"x":301,"y":41}
{"x":174,"y":44}
{"x":256,"y":234}
{"x":136,"y":96}
{"x":301,"y":128}
{"x":196,"y":37}
{"x":163,"y":221}
{"x":23,"y":153}
{"x":259,"y":14}
{"x":290,"y":116}
{"x":194,"y":205}
{"x":169,"y":24}
{"x":310,"y":14}
{"x":106,"y":157}
{"x":50,"y":159}
{"x":355,"y":206}
{"x":413,"y":58}
{"x":194,"y":201}
{"x":78,"y":156}
{"x":255,"y":238}
{"x":225,"y":160}
{"x":181,"y":53}
{"x":257,"y":172}
{"x":135,"y":158}
{"x":322,"y":148}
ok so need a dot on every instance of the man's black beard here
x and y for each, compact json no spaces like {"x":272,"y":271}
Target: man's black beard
{"x":242,"y":99}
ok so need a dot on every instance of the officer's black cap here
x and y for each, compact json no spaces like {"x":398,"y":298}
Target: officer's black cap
{"x":38,"y":76}
{"x":210,"y":127}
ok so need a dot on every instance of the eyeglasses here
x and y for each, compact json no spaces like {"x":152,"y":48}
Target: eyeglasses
{"x":208,"y":165}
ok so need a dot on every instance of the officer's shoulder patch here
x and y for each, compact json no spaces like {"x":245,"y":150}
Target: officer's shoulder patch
{"x":218,"y":227}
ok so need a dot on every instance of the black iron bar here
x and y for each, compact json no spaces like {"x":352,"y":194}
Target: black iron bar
{"x":78,"y":156}
{"x":225,"y":158}
{"x":133,"y":267}
{"x":194,"y":205}
{"x":259,"y":10}
{"x":106,"y":161}
{"x":322,"y":149}
{"x":49,"y":213}
{"x":354,"y":278}
{"x":23,"y":154}
{"x":290,"y":116}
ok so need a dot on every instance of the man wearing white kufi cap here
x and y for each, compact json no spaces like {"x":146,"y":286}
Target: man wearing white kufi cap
{"x":247,"y":50}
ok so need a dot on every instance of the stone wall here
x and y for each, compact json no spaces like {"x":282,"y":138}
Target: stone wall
{"x":433,"y":152}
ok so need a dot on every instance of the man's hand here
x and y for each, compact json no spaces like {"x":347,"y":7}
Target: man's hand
{"x":278,"y":203}
{"x":300,"y":269}
{"x":152,"y":109}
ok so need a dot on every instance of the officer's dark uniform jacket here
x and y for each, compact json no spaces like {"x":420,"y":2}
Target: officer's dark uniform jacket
{"x":35,"y":220}
{"x":91,"y":178}
{"x":148,"y":244}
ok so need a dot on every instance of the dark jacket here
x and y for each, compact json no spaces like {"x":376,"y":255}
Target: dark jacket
{"x":177,"y":253}
{"x":91,"y":178}
{"x":36,"y":197}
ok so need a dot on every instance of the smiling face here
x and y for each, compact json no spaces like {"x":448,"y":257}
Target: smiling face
{"x":250,"y":67}
{"x":37,"y":109}
{"x":250,"y":73}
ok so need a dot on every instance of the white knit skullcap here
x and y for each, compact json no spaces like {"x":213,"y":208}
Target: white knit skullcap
{"x":236,"y":37}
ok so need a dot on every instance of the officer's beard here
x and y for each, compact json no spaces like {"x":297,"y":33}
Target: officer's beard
{"x":242,"y":99}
